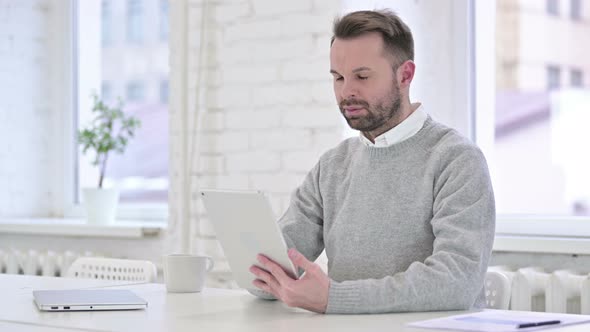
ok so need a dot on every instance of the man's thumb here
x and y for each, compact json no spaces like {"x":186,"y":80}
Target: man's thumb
{"x":298,"y":259}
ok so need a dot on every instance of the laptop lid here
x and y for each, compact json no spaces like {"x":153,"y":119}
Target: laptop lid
{"x":88,"y":299}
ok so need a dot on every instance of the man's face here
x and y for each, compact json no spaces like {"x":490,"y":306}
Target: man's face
{"x":365,"y":84}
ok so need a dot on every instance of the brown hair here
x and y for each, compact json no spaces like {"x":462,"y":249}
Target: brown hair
{"x":397,"y":36}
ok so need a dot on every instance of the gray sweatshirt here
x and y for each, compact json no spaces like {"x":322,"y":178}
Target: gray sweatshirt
{"x":407,"y":227}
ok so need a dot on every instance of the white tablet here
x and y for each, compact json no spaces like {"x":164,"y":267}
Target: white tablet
{"x":87,"y":299}
{"x":245,"y":226}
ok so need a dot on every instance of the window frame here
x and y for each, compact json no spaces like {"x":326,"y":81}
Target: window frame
{"x":70,"y":206}
{"x":515,"y":233}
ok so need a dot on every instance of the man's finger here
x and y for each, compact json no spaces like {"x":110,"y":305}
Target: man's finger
{"x":299,"y":260}
{"x":275,"y":269}
{"x":266,"y":277}
{"x":262,"y":285}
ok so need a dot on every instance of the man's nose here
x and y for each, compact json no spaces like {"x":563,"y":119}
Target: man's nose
{"x":349,"y":90}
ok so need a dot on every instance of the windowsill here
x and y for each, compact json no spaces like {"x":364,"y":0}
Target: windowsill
{"x":506,"y":240}
{"x":537,"y":234}
{"x":79,"y":228}
{"x":542,"y":244}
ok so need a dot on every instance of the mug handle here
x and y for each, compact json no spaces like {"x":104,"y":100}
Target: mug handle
{"x":210,"y":264}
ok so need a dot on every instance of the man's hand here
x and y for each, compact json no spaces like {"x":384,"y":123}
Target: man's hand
{"x":310,"y":292}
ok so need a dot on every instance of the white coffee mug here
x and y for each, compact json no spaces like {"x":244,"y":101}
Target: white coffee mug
{"x":186,"y":273}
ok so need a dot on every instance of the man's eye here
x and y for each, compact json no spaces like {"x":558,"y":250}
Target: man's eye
{"x":362,"y":77}
{"x":339,"y":78}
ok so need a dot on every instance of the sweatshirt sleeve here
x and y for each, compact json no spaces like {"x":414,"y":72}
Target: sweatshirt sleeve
{"x":452,"y":277}
{"x":302,"y":223}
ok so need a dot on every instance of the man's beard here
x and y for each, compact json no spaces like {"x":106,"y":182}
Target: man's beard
{"x":377,"y":115}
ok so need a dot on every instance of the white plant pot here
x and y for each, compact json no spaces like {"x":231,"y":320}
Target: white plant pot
{"x":101,"y":205}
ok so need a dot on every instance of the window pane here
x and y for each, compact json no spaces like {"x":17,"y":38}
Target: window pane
{"x":106,"y":23}
{"x":577,"y":78}
{"x":539,"y":159}
{"x":135,"y":91}
{"x":135,"y":27}
{"x":164,"y":26}
{"x":133,"y":73}
{"x":575,"y":9}
{"x":164,"y":91}
{"x":552,"y":7}
{"x":553,"y":77}
{"x":106,"y":92}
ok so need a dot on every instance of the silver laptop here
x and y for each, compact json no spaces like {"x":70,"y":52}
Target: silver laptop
{"x":88,"y":299}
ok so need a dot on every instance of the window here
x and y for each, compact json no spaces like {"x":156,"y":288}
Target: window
{"x":164,"y":21}
{"x":538,"y":164}
{"x":135,"y":91}
{"x":552,"y":7}
{"x":106,"y":91}
{"x":575,"y":10}
{"x":133,"y":73}
{"x":106,"y":23}
{"x":164,"y":92}
{"x":553,"y":77}
{"x":135,"y":28}
{"x":576,"y":78}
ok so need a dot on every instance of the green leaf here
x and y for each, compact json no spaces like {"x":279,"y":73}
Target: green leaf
{"x":110,"y":130}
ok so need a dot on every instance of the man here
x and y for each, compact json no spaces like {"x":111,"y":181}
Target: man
{"x":405,"y":213}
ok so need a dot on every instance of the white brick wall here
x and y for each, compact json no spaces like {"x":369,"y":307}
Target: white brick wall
{"x":220,"y":142}
{"x":318,"y":117}
{"x":269,"y":103}
{"x":26,"y":118}
{"x":250,"y":120}
{"x":264,"y":8}
{"x":253,"y":162}
{"x":281,"y":139}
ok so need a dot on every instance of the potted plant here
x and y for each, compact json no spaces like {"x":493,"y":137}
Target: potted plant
{"x":109,"y":131}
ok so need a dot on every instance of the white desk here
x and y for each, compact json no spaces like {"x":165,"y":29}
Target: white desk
{"x":20,"y":327}
{"x":211,"y":310}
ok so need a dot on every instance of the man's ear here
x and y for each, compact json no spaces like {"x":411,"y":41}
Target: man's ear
{"x":405,"y":73}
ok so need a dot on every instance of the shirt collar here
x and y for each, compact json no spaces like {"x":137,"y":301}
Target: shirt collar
{"x":406,"y":129}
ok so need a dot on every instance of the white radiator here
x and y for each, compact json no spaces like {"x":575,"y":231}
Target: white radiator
{"x":534,"y":289}
{"x":32,"y":262}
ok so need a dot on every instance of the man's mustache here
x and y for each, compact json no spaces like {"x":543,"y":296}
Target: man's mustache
{"x":355,"y":102}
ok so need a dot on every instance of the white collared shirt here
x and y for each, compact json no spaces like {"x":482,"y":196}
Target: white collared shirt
{"x":406,"y":129}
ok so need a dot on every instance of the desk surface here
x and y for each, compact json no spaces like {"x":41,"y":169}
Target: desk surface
{"x":210,"y":310}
